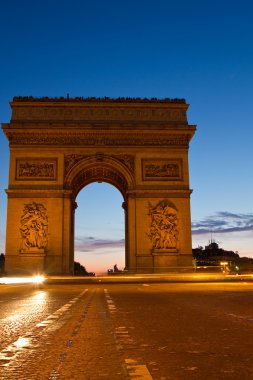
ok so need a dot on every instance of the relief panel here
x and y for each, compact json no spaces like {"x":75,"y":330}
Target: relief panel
{"x":163,"y":231}
{"x":34,"y":228}
{"x":39,"y":169}
{"x":162,"y":170}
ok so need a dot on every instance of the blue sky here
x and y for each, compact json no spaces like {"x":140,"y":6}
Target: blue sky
{"x":198,"y":50}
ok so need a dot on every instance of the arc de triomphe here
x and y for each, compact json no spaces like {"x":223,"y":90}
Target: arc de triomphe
{"x":59,"y":145}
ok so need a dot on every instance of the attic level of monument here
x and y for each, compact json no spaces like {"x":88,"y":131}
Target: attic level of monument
{"x":106,"y":111}
{"x":102,"y":122}
{"x":60,"y":145}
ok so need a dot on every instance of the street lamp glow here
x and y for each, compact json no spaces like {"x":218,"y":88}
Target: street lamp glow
{"x":223,"y":263}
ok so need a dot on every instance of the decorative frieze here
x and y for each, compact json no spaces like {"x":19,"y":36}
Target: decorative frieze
{"x":163,"y":227}
{"x":162,"y":170}
{"x":34,"y":228}
{"x":99,"y":114}
{"x":100,"y":110}
{"x":39,"y":169}
{"x":99,"y":139}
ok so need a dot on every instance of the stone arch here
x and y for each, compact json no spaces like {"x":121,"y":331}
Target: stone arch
{"x":99,"y":169}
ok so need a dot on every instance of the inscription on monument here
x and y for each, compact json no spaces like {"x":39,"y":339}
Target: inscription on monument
{"x":34,"y":228}
{"x":164,"y":227}
{"x":161,"y":170}
{"x":36,"y":169}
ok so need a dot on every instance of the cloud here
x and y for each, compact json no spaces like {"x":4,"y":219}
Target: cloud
{"x":223,"y":222}
{"x":220,"y":222}
{"x":92,"y":244}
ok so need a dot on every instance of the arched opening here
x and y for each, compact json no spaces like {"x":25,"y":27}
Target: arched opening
{"x":99,"y":228}
{"x":106,"y":170}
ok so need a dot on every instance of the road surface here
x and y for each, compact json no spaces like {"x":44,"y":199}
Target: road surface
{"x":115,"y":331}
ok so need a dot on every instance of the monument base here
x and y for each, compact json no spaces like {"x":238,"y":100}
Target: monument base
{"x":164,"y":262}
{"x":25,"y":263}
{"x":166,"y":251}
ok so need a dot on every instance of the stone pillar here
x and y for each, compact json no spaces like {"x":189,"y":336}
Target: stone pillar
{"x":67,"y":235}
{"x":131,"y":233}
{"x":38,"y":234}
{"x":163,"y":241}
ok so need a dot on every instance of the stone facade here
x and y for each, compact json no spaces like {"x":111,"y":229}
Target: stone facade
{"x":58,"y":146}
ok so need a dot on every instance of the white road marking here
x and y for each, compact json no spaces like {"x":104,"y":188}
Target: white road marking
{"x":69,"y":343}
{"x":139,"y":371}
{"x":135,"y":370}
{"x":111,"y":306}
{"x":247,"y":318}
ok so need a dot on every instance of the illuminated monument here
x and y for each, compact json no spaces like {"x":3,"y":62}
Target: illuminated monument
{"x":59,"y":145}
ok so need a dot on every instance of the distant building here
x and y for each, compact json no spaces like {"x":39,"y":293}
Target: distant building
{"x":213,"y":255}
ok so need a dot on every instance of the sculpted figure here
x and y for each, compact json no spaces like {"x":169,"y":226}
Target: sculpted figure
{"x":34,"y":226}
{"x":163,"y":229}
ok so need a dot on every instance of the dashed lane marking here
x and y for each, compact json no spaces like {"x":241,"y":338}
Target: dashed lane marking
{"x":58,"y":313}
{"x":55,"y":373}
{"x":111,"y":306}
{"x":135,"y":370}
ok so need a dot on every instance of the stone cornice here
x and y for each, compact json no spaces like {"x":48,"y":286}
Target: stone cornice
{"x":38,"y":193}
{"x":97,"y":100}
{"x":104,"y":126}
{"x":149,"y":193}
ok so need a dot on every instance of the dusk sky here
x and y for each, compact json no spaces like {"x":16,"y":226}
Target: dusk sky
{"x":198,"y":50}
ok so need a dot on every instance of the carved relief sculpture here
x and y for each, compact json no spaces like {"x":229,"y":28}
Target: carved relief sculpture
{"x":99,"y":173}
{"x":34,"y":227}
{"x":70,"y":160}
{"x":127,"y":160}
{"x":161,"y":170}
{"x":36,"y":169}
{"x":164,"y":226}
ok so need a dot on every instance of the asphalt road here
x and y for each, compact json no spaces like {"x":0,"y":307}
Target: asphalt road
{"x":127,"y":331}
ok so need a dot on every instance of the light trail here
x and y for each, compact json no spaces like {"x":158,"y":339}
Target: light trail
{"x":22,"y":280}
